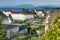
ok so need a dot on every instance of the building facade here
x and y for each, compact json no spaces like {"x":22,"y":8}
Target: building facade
{"x":18,"y":15}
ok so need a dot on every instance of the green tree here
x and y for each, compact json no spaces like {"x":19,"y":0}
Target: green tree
{"x":0,"y":19}
{"x":2,"y":31}
{"x":10,"y":17}
{"x":41,"y":26}
{"x":33,"y":12}
{"x":36,"y":17}
{"x":29,"y":29}
{"x":53,"y":32}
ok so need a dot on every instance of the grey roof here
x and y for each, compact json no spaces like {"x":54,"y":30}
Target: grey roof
{"x":10,"y":26}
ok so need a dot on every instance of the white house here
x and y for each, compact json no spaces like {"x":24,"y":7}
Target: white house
{"x":5,"y":19}
{"x":39,"y":12}
{"x":7,"y":12}
{"x":18,"y":15}
{"x":29,"y":16}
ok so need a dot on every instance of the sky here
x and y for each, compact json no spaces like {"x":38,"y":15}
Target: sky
{"x":32,"y":2}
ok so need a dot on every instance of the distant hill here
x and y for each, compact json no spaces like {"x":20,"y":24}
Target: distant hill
{"x":27,"y":6}
{"x":47,"y":7}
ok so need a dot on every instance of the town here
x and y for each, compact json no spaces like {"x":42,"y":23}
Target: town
{"x":26,"y":22}
{"x":29,"y":19}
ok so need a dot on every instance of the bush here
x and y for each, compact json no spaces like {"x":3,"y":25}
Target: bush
{"x":41,"y":26}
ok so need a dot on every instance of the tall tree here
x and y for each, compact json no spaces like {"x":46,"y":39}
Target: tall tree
{"x":10,"y":17}
{"x":2,"y":32}
{"x":29,"y":29}
{"x":53,"y":32}
{"x":0,"y":19}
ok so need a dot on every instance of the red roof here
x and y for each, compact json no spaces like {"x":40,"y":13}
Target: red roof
{"x":11,"y":11}
{"x":8,"y":10}
{"x":15,"y":12}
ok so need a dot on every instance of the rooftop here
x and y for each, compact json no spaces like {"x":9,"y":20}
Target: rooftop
{"x":11,"y":26}
{"x":3,"y":15}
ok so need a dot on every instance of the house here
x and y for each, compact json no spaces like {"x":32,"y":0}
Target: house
{"x":14,"y":29}
{"x":5,"y":19}
{"x":53,"y":14}
{"x":29,"y":16}
{"x":18,"y":15}
{"x":46,"y":19}
{"x":39,"y":12}
{"x":50,"y":16}
{"x":7,"y":12}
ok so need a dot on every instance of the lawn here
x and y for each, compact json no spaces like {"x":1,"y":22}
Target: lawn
{"x":26,"y":37}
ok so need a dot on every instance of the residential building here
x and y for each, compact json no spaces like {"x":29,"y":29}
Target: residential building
{"x":18,"y":15}
{"x":14,"y":29}
{"x":5,"y":19}
{"x":53,"y":14}
{"x":39,"y":12}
